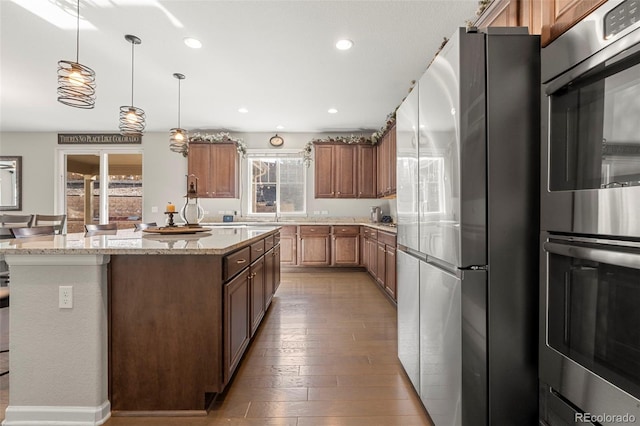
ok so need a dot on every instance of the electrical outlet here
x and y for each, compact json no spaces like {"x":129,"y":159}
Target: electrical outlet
{"x":65,"y":296}
{"x":154,"y":209}
{"x":316,"y":212}
{"x":325,"y":212}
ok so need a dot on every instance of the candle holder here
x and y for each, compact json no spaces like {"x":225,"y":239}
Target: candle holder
{"x":170,"y":222}
{"x":192,"y":213}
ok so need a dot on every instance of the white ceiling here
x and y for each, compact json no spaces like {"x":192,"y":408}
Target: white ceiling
{"x":276,"y":58}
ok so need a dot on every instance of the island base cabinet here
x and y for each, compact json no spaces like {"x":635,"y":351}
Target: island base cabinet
{"x":158,"y":307}
{"x":257,"y":293}
{"x":236,"y":316}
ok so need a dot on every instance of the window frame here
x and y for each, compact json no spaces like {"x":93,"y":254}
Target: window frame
{"x":257,"y":154}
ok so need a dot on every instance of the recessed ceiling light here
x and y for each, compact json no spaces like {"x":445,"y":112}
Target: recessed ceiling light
{"x":243,"y":110}
{"x":332,"y":111}
{"x":192,"y":42}
{"x":279,"y":127}
{"x":344,"y":44}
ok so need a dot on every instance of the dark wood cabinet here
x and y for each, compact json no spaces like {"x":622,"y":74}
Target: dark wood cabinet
{"x":390,"y":272}
{"x":345,"y":170}
{"x":379,"y":258}
{"x":386,"y":163}
{"x":381,"y":263}
{"x":236,"y":320}
{"x":256,"y":293}
{"x":345,"y":247}
{"x":501,"y":13}
{"x":289,"y":245}
{"x":216,"y":166}
{"x":560,"y":15}
{"x":372,"y":250}
{"x":314,"y":245}
{"x":549,"y":18}
{"x":276,"y":270}
{"x":335,"y":171}
{"x":367,"y":171}
{"x":269,"y":277}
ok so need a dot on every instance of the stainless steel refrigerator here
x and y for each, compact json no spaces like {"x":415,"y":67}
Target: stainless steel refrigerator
{"x":467,"y":201}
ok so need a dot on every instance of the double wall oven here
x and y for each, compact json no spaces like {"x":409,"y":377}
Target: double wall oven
{"x":590,"y":220}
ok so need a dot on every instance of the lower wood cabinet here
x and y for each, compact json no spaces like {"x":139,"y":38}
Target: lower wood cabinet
{"x":236,"y":321}
{"x":345,"y":246}
{"x":381,"y":263}
{"x":315,"y":245}
{"x":289,"y":245}
{"x":180,"y":324}
{"x":256,"y":293}
{"x":390,"y":272}
{"x":247,"y":296}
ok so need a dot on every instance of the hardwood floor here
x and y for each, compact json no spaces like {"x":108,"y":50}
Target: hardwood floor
{"x":324,"y":355}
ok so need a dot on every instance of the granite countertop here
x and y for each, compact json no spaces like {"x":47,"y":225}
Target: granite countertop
{"x":217,"y":240}
{"x":388,"y":227}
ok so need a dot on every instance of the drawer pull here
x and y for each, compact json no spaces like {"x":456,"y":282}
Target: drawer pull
{"x":241,"y":261}
{"x":259,"y":249}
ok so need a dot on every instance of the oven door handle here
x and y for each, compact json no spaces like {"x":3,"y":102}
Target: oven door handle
{"x":611,"y":257}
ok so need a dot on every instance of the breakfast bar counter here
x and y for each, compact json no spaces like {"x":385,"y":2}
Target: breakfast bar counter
{"x":153,"y":324}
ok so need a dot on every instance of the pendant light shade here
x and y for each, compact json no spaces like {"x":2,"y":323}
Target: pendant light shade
{"x":132,"y":119}
{"x":178,"y":140}
{"x":76,"y":82}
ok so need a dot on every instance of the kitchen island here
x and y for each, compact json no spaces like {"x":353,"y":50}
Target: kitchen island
{"x":157,"y":323}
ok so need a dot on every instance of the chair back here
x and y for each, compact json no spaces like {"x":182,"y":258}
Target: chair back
{"x":16,"y":220}
{"x":55,"y":220}
{"x":33,"y":232}
{"x":101,"y":229}
{"x":141,"y":226}
{"x":8,"y":221}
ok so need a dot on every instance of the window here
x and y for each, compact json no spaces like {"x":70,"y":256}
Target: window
{"x":277,"y":184}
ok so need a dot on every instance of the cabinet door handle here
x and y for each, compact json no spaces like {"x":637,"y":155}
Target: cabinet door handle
{"x":240,"y":261}
{"x":259,"y":249}
{"x":339,"y":192}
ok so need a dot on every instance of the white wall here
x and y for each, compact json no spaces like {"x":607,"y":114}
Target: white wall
{"x":164,"y":175}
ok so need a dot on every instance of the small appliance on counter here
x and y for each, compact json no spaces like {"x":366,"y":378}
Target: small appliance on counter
{"x":376,"y":214}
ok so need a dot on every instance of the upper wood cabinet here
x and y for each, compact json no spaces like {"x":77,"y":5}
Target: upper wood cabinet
{"x":344,"y":171}
{"x":549,"y":18}
{"x":386,"y":176}
{"x":501,"y":13}
{"x":367,"y":173}
{"x":560,"y":15}
{"x":216,"y":166}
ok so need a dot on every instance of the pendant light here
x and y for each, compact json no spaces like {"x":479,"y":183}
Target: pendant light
{"x":76,"y":82}
{"x":132,"y":119}
{"x":178,"y":140}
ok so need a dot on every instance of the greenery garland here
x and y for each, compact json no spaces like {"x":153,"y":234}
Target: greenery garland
{"x":308,"y":148}
{"x":220,"y":137}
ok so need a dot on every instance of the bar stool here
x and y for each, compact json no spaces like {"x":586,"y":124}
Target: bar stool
{"x":55,"y":220}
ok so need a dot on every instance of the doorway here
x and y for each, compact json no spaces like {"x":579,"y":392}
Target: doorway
{"x":101,"y":186}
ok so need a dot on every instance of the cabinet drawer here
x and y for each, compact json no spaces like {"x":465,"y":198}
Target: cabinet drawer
{"x":236,"y":262}
{"x":289,"y":230}
{"x":276,"y":239}
{"x":370,"y":233}
{"x":315,"y":230}
{"x":269,"y":243}
{"x":257,"y":250}
{"x":389,"y":239}
{"x":346,"y":230}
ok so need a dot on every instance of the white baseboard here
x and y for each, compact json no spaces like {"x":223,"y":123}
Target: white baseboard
{"x":24,"y":415}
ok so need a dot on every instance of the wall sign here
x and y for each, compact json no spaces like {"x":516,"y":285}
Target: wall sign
{"x":97,"y":138}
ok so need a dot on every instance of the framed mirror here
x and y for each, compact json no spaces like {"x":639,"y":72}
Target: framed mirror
{"x":10,"y":183}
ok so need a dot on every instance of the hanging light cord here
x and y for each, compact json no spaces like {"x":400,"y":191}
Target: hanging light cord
{"x":78,"y":33}
{"x":179,"y":81}
{"x":132,"y":64}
